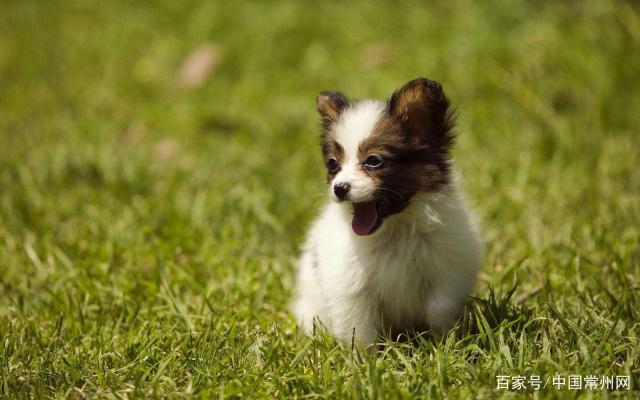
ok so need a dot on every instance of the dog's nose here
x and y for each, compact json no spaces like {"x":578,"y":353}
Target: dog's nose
{"x":341,"y":189}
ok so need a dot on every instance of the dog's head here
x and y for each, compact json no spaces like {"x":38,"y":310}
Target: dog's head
{"x":379,"y":155}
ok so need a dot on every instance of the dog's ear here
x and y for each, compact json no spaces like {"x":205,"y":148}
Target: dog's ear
{"x":423,"y":110}
{"x":330,"y":105}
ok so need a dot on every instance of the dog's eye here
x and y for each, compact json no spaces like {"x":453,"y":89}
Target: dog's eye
{"x":373,"y":162}
{"x":332,"y":165}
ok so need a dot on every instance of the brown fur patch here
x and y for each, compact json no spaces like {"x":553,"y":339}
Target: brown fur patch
{"x":330,"y":105}
{"x":413,"y":137}
{"x":423,"y":110}
{"x":332,"y":149}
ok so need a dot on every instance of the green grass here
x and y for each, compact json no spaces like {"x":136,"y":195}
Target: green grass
{"x":148,"y":233}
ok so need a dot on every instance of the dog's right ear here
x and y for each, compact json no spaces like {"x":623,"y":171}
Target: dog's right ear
{"x":423,"y":110}
{"x":330,"y":105}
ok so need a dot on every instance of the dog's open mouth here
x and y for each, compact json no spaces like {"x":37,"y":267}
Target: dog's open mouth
{"x":365,"y":218}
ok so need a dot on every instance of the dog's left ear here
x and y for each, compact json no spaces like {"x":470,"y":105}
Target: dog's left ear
{"x":423,"y":110}
{"x":330,"y":105}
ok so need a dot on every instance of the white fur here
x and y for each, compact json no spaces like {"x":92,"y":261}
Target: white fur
{"x":353,"y":126}
{"x":417,"y":268}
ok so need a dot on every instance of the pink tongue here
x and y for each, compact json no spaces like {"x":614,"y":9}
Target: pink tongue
{"x":365,"y":217}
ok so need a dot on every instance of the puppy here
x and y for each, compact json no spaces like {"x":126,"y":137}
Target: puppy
{"x":395,"y":249}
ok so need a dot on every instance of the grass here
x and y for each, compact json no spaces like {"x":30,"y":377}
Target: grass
{"x":148,"y":231}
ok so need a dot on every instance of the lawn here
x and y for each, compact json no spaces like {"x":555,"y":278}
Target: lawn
{"x":150,"y":218}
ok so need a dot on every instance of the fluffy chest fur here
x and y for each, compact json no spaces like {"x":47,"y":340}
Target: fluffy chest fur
{"x":412,"y":276}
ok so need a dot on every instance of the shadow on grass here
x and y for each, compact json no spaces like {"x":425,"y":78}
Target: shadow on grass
{"x":497,"y":309}
{"x":481,"y":317}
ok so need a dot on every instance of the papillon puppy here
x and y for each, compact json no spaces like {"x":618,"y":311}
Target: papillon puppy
{"x":395,"y":249}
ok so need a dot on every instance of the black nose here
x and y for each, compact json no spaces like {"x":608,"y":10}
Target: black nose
{"x":341,"y":189}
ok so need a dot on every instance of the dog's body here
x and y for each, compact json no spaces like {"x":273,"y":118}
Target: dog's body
{"x":397,"y":249}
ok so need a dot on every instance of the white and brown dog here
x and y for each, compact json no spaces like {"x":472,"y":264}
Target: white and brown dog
{"x":395,"y":249}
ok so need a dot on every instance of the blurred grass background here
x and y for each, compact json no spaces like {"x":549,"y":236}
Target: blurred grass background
{"x":150,"y":219}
